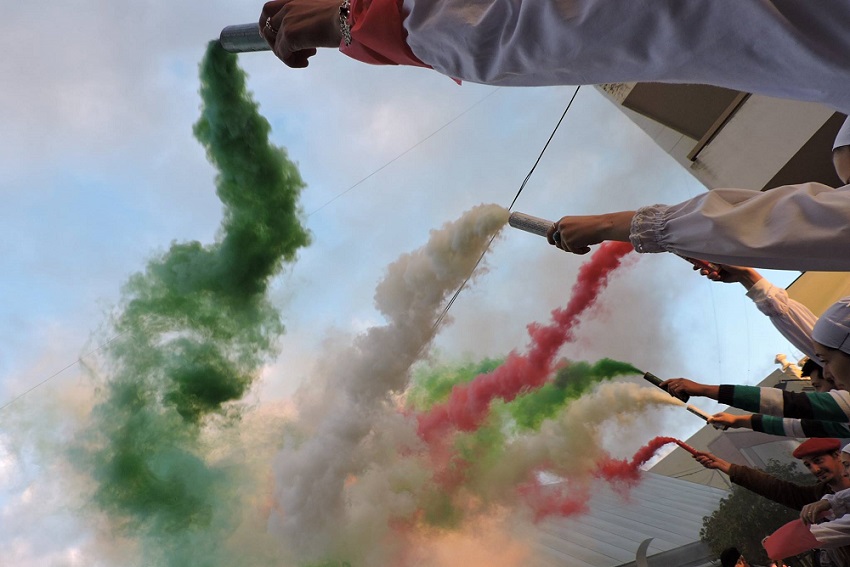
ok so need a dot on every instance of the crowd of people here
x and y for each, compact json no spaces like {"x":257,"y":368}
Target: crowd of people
{"x":783,"y":48}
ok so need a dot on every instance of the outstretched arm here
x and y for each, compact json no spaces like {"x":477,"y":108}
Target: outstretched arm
{"x":710,"y":461}
{"x":826,"y":406}
{"x":783,"y":426}
{"x":684,"y":386}
{"x":799,"y":227}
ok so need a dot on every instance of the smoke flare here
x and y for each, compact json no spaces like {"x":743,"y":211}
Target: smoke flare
{"x":468,"y":404}
{"x":192,"y":332}
{"x":342,"y":487}
{"x":571,"y":382}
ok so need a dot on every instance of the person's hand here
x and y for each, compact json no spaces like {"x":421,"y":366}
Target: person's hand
{"x":676,"y":386}
{"x":731,"y":274}
{"x":295,"y":28}
{"x":577,"y":234}
{"x":709,"y":461}
{"x":811,"y":513}
{"x":730,"y":420}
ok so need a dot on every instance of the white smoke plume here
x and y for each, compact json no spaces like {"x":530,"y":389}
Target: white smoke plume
{"x":354,"y":419}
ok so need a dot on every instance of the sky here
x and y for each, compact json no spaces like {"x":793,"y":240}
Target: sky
{"x":101,"y":172}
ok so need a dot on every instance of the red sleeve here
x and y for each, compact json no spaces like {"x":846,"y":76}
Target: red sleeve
{"x":377,"y":34}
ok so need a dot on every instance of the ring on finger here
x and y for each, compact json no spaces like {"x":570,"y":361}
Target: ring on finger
{"x":268,"y":27}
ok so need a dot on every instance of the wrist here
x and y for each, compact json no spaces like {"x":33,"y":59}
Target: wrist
{"x":743,"y":421}
{"x":344,"y":21}
{"x":617,"y":226}
{"x":749,"y":278}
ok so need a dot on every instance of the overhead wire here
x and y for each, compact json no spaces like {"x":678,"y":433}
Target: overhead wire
{"x":513,"y":202}
{"x":374,"y":172}
{"x":342,"y":193}
{"x":60,"y":371}
{"x":405,"y":152}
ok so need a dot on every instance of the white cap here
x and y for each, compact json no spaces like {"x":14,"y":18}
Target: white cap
{"x":833,"y":327}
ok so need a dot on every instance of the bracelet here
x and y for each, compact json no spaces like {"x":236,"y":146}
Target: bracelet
{"x":344,"y":24}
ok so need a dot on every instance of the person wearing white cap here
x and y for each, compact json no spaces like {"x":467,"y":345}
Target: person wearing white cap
{"x":831,"y":335}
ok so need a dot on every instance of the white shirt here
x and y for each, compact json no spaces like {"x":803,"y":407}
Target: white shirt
{"x":791,"y":318}
{"x":785,"y":48}
{"x":794,"y":227}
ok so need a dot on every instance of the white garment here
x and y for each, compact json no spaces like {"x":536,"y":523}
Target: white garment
{"x":795,"y":227}
{"x":791,"y":318}
{"x":839,"y":502}
{"x":785,"y":48}
{"x":832,"y":534}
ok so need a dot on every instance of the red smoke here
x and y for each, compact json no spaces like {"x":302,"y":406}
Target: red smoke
{"x":552,"y":501}
{"x":469,"y":403}
{"x":629,"y":471}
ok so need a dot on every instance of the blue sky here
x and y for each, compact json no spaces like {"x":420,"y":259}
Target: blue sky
{"x":100,"y":171}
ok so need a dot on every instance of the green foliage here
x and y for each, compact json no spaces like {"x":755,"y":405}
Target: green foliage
{"x":744,"y":518}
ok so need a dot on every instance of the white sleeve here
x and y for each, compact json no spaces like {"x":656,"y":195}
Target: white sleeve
{"x":840,"y":502}
{"x":791,"y":318}
{"x":795,"y":227}
{"x":799,"y":54}
{"x":832,"y":534}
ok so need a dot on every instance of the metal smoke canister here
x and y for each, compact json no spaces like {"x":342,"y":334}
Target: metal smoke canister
{"x":656,"y":381}
{"x":534,"y":225}
{"x":243,"y":38}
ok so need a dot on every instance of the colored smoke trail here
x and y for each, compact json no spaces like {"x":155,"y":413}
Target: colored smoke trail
{"x":182,"y":468}
{"x":571,"y":381}
{"x":341,"y":487}
{"x":571,"y":448}
{"x":498,"y":469}
{"x":433,"y":385}
{"x":483,"y":447}
{"x":469,"y":403}
{"x":628,"y":471}
{"x":192,"y":333}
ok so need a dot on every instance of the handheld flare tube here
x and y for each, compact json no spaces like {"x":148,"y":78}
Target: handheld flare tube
{"x":687,"y":448}
{"x":243,"y":38}
{"x":534,"y":225}
{"x":656,"y":381}
{"x":538,"y":226}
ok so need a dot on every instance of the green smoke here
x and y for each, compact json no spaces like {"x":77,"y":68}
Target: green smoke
{"x":193,"y":329}
{"x":571,"y":382}
{"x":478,"y":452}
{"x":433,"y":384}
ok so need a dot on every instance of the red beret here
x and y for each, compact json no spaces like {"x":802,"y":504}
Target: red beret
{"x":816,"y":446}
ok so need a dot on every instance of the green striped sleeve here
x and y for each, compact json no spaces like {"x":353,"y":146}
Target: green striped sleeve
{"x":768,"y":424}
{"x":827,"y":406}
{"x":743,"y":397}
